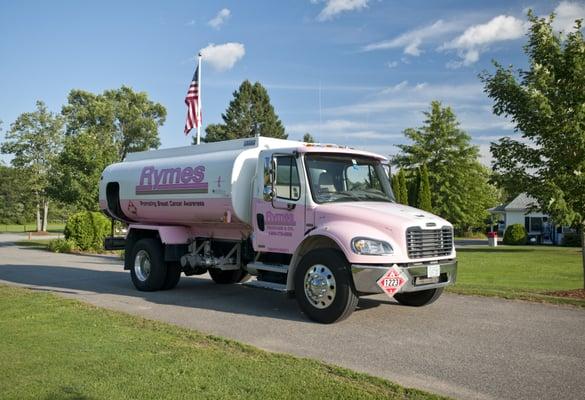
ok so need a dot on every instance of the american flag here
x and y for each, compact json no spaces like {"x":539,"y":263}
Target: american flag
{"x":193,"y":106}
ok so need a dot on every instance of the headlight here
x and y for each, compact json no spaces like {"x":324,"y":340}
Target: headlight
{"x":370,"y":247}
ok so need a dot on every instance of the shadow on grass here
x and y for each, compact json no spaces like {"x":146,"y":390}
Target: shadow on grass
{"x":67,"y":393}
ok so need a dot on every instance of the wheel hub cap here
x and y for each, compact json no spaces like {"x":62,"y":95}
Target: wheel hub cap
{"x":142,"y":265}
{"x":320,"y":286}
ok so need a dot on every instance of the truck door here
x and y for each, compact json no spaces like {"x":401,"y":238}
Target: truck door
{"x":279,"y":216}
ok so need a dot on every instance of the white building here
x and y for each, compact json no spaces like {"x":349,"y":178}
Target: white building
{"x":524,"y":210}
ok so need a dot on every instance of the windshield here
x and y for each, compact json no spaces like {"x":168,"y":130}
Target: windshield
{"x":346,"y":177}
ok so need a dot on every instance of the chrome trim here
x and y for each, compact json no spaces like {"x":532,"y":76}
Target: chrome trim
{"x":427,"y":243}
{"x":320,"y":286}
{"x":366,"y":276}
{"x":142,"y":265}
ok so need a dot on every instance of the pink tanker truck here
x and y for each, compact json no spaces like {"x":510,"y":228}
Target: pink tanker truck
{"x":317,"y":221}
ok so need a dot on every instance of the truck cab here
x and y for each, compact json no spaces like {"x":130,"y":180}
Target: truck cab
{"x":319,"y":222}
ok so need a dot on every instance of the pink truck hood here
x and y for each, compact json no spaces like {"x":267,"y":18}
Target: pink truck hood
{"x":376,"y":220}
{"x":381,"y":214}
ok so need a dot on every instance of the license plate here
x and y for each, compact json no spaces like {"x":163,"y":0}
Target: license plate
{"x":433,"y":271}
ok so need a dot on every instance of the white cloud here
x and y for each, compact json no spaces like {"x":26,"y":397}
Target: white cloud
{"x":221,"y":17}
{"x":413,"y":98}
{"x":335,"y":7}
{"x":396,"y":88}
{"x":376,"y":121}
{"x":565,"y":15}
{"x":223,"y":56}
{"x":476,"y":38}
{"x":485,"y":155}
{"x":344,"y":128}
{"x":411,"y":41}
{"x":392,"y":64}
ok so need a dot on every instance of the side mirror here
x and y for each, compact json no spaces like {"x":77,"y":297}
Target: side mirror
{"x":273,"y":169}
{"x":269,"y":191}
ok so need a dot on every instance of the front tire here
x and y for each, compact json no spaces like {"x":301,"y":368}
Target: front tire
{"x":323,"y":286}
{"x":149,"y":269}
{"x":229,"y":276}
{"x":418,"y":299}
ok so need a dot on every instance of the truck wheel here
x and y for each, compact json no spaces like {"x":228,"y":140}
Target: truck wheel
{"x":229,"y":276}
{"x":149,"y":269}
{"x":418,"y":299}
{"x":323,"y":286}
{"x":173,"y":275}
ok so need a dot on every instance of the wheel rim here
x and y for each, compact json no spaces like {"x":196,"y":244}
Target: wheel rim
{"x":320,"y":286}
{"x":142,"y":265}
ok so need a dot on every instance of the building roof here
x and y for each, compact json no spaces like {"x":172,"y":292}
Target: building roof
{"x":522,"y":202}
{"x":498,"y":210}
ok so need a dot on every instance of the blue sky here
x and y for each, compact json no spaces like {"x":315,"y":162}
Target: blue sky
{"x":354,"y":72}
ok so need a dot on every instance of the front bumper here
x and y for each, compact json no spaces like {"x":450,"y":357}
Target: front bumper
{"x":366,"y":276}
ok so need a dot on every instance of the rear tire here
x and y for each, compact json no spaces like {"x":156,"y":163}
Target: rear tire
{"x":419,"y":299}
{"x":149,"y":269}
{"x":323,"y":286}
{"x":173,"y":276}
{"x":229,"y":276}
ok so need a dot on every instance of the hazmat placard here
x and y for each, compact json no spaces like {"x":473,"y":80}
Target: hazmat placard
{"x":392,"y":281}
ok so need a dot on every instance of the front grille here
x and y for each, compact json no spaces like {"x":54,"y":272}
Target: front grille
{"x":424,"y":243}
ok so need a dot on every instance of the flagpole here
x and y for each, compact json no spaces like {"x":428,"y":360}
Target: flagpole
{"x":199,"y":98}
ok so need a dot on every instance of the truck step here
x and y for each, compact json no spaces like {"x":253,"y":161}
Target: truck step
{"x":277,"y":287}
{"x":259,"y":266}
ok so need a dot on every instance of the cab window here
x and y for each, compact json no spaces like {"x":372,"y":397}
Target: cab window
{"x":287,"y":183}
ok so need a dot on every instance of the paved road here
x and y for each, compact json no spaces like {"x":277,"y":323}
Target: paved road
{"x":464,"y":347}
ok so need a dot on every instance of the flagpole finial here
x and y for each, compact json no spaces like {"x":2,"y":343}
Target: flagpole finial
{"x":199,"y":55}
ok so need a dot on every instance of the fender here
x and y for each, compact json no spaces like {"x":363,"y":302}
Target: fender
{"x":168,"y":234}
{"x":341,"y":233}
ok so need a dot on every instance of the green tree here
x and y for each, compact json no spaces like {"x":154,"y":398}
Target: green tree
{"x":403,"y":187}
{"x":34,"y":140}
{"x":78,"y":169}
{"x":413,"y":184}
{"x":424,"y":201}
{"x":16,"y":200}
{"x":399,"y":187}
{"x":249,"y":112}
{"x":128,"y":117}
{"x":395,"y":187}
{"x":101,"y":129}
{"x":546,"y":103}
{"x":459,"y":186}
{"x":308,"y":138}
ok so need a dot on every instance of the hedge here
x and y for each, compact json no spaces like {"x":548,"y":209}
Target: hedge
{"x":572,"y":239}
{"x":515,"y":234}
{"x":87,"y":230}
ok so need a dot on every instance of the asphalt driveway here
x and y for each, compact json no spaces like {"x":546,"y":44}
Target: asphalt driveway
{"x":462,"y":346}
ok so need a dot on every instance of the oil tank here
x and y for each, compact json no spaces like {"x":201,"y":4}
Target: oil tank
{"x":211,"y":182}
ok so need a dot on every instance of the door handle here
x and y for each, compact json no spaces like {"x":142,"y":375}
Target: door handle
{"x":260,"y":221}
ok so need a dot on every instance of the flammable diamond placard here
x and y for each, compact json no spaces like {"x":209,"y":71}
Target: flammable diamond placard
{"x":392,"y":281}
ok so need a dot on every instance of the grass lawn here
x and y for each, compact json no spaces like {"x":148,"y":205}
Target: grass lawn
{"x":524,"y":272}
{"x":55,"y":228}
{"x":53,"y":348}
